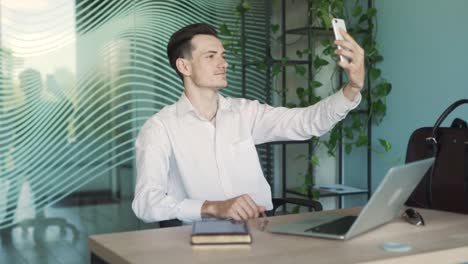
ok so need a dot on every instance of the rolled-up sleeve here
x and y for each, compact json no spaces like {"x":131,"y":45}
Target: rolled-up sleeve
{"x":281,"y":123}
{"x":152,"y":201}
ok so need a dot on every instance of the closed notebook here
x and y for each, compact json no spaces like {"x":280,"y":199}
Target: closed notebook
{"x":220,"y":232}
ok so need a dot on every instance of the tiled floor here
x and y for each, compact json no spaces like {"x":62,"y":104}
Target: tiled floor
{"x":40,"y":243}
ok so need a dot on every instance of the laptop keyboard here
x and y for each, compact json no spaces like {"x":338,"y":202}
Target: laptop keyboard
{"x":336,"y":227}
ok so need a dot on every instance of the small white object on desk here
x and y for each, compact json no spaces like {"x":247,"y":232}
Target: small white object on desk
{"x":396,"y":247}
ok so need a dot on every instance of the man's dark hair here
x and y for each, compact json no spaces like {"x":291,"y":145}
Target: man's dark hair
{"x":180,"y":46}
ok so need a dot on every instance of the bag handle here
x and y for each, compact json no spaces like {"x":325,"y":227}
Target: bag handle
{"x":445,"y":114}
{"x":459,"y":123}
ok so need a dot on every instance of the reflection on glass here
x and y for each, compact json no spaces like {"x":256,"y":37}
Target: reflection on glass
{"x":77,"y":80}
{"x":37,"y":101}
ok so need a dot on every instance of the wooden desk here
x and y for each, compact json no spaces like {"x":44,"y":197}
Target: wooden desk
{"x":444,"y":239}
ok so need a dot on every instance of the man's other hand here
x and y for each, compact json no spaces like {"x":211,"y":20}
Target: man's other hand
{"x":238,"y":208}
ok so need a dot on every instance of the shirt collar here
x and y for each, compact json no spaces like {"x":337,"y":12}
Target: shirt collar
{"x":184,"y":105}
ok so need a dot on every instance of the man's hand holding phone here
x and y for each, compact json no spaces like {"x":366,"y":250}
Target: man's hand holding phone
{"x":351,"y":59}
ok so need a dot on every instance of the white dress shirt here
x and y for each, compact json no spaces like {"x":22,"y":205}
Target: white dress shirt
{"x":183,"y":159}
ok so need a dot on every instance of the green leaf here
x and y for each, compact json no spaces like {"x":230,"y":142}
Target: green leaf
{"x":303,"y":103}
{"x":291,"y":105}
{"x":308,"y":181}
{"x":314,"y":140}
{"x":300,"y":69}
{"x":348,"y":131}
{"x":337,"y":6}
{"x":368,"y":43}
{"x":276,"y":69}
{"x":357,"y":11}
{"x":319,"y":62}
{"x":363,"y":18}
{"x":315,"y":194}
{"x":274,"y":28}
{"x":348,"y":148}
{"x":379,"y":108}
{"x":300,"y":92}
{"x":314,"y":99}
{"x":284,"y":61}
{"x":299,"y":53}
{"x":326,"y":20}
{"x":328,"y":47}
{"x":335,"y":135}
{"x":246,"y":5}
{"x":362,"y":140}
{"x":382,"y":89}
{"x":357,"y":124}
{"x":325,"y":42}
{"x":225,"y":42}
{"x":224,"y":30}
{"x":356,"y":30}
{"x":374,"y":56}
{"x":314,"y":160}
{"x":333,"y":140}
{"x":385,"y":144}
{"x":374,"y":74}
{"x":329,"y":51}
{"x":303,"y":189}
{"x":371,"y":12}
{"x":330,"y":151}
{"x":314,"y":84}
{"x":378,"y":58}
{"x":239,"y":10}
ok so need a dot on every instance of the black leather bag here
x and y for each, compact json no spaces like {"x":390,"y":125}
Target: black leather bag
{"x":445,"y":185}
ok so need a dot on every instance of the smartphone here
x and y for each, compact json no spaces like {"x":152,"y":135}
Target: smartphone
{"x":338,"y":23}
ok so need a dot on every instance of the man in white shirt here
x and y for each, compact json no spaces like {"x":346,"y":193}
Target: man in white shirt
{"x":197,"y":157}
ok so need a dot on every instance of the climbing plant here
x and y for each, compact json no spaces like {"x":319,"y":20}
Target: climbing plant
{"x":361,"y":21}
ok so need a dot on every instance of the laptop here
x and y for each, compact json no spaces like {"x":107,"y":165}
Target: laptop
{"x":385,"y":204}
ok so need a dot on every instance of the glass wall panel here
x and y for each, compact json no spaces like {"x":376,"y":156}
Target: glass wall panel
{"x":77,"y":81}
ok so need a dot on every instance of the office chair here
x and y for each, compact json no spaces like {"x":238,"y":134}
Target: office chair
{"x":313,"y":205}
{"x":39,"y":225}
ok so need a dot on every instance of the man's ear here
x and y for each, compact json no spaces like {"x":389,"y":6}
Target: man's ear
{"x":184,"y":66}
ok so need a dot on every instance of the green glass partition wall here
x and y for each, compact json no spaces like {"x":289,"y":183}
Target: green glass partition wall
{"x":79,"y":78}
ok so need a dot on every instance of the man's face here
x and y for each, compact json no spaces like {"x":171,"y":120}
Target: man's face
{"x":208,"y":66}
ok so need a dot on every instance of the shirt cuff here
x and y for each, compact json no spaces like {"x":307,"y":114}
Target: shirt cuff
{"x":343,"y":104}
{"x":190,"y":210}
